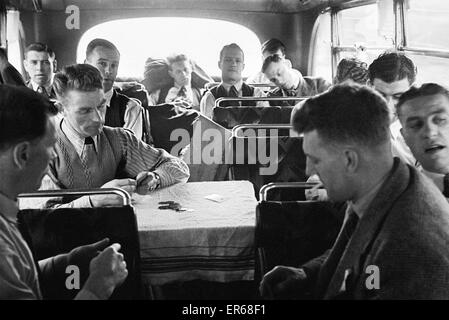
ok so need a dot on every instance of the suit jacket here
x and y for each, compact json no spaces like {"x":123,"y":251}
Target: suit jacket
{"x":404,"y":234}
{"x":9,"y":74}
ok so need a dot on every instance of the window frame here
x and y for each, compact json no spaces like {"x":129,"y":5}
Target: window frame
{"x":399,"y":41}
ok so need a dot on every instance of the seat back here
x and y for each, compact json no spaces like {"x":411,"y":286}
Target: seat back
{"x":293,"y":232}
{"x":50,"y":232}
{"x":229,"y":117}
{"x":267,"y":153}
{"x":54,"y":231}
{"x":165,"y":119}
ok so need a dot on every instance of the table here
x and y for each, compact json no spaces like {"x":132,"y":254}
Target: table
{"x":214,"y":242}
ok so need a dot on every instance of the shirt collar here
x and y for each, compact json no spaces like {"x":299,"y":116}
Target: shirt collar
{"x":8,"y":208}
{"x":74,"y":137}
{"x":108,"y":96}
{"x":35,"y":86}
{"x":361,"y":205}
{"x":300,"y":82}
{"x":179,"y":87}
{"x":395,"y":129}
{"x":228,"y":86}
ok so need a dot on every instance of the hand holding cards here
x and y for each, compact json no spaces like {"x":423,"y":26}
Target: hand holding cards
{"x":147,"y":181}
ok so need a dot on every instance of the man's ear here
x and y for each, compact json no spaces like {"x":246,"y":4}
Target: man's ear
{"x":55,"y":65}
{"x":351,"y":158}
{"x":21,"y":154}
{"x":25,"y":65}
{"x":170,"y":73}
{"x":219,"y":64}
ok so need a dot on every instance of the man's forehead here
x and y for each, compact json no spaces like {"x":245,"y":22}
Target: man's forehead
{"x":267,"y":53}
{"x":273,"y":68}
{"x":232,"y":53}
{"x":394,"y":87}
{"x":180,"y":64}
{"x":38,"y":55}
{"x":311,"y":140}
{"x":425,"y":105}
{"x":106,"y":54}
{"x":85,"y":98}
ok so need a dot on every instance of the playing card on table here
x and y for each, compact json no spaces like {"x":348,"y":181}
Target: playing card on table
{"x":215,"y":197}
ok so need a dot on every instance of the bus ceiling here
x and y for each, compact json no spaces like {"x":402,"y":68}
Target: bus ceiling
{"x":275,"y":6}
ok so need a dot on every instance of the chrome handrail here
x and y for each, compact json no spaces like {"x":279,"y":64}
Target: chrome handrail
{"x":263,"y":193}
{"x":240,"y":127}
{"x":79,"y":192}
{"x":220,"y":100}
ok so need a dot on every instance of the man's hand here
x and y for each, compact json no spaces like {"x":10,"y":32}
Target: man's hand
{"x":146,"y":181}
{"x":283,"y":283}
{"x":181,"y":103}
{"x":113,"y":200}
{"x":82,"y":256}
{"x":107,"y":271}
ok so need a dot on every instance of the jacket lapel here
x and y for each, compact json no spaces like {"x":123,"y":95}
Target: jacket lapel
{"x":367,"y":230}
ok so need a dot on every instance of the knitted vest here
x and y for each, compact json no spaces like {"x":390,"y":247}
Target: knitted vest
{"x":115,"y":113}
{"x":67,"y":169}
{"x":220,"y":92}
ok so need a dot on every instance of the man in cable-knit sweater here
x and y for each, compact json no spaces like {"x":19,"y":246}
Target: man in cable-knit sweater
{"x":91,"y":155}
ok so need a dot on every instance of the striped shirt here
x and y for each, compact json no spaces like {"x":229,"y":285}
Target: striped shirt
{"x":117,"y":146}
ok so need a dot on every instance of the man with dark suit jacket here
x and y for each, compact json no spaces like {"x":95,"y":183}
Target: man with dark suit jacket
{"x":40,"y":64}
{"x":121,"y":111}
{"x":393,"y":242}
{"x":9,"y":74}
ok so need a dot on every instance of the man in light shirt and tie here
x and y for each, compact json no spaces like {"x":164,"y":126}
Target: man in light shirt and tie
{"x":180,"y":69}
{"x":40,"y":64}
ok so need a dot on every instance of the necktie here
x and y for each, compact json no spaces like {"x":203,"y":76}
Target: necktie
{"x":330,"y":264}
{"x":446,"y":185}
{"x":233,"y":93}
{"x":42,"y":91}
{"x":182,"y":92}
{"x":89,"y":158}
{"x":291,"y":93}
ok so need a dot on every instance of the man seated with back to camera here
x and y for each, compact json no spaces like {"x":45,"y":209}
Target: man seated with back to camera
{"x":393,"y":242}
{"x":27,"y":139}
{"x":91,"y":155}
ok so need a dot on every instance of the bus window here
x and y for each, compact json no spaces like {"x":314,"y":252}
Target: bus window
{"x":366,"y":26}
{"x":426,"y":28}
{"x":320,"y":63}
{"x":200,"y":39}
{"x":13,"y":35}
{"x":427,"y":24}
{"x":370,"y":27}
